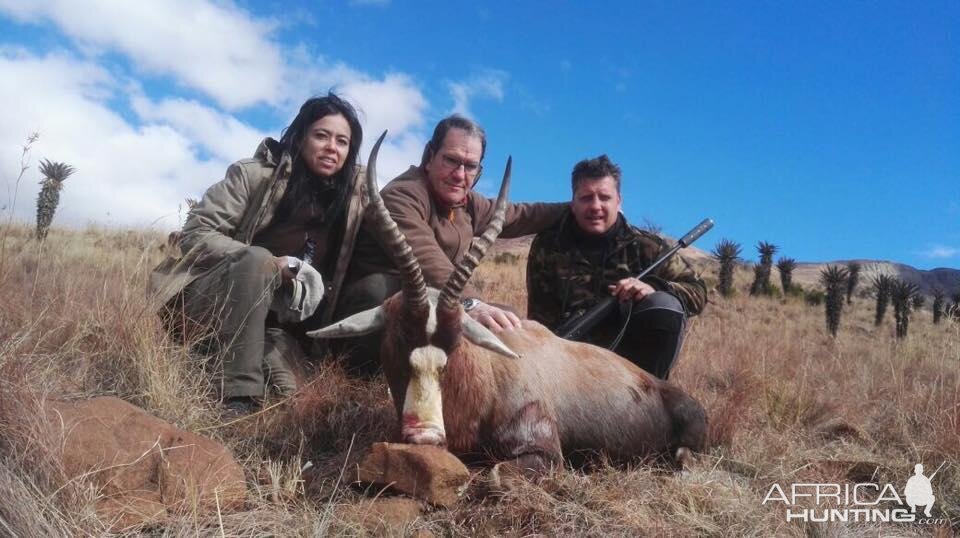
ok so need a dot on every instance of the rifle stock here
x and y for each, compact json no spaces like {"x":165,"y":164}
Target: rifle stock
{"x":574,"y":328}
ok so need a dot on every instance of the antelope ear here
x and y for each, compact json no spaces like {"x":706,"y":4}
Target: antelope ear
{"x":358,"y":324}
{"x":483,"y":337}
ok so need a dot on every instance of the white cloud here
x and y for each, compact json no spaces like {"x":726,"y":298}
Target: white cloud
{"x":125,"y":174}
{"x":214,"y":47}
{"x":396,"y":105}
{"x":941,"y":251}
{"x":139,"y":174}
{"x":136,"y":169}
{"x":223,"y":135}
{"x":488,"y":84}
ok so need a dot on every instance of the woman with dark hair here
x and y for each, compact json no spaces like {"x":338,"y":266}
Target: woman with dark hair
{"x":292,"y":210}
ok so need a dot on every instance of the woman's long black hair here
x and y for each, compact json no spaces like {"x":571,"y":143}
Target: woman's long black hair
{"x":303,"y":185}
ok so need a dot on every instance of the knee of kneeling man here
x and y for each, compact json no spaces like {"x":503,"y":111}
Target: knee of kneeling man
{"x":661,"y":300}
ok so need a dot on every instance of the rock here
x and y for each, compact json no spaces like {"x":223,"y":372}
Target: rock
{"x":837,"y":428}
{"x":384,"y":515}
{"x":142,"y":467}
{"x":853,"y":470}
{"x":739,"y":467}
{"x":425,"y":472}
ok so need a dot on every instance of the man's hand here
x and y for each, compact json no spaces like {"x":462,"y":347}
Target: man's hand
{"x":283,"y":265}
{"x":493,"y":318}
{"x":630,"y":289}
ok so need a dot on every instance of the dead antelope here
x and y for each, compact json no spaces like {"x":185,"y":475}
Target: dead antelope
{"x":527,"y":396}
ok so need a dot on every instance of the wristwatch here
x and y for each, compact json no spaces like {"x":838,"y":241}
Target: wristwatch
{"x":469,"y":304}
{"x":293,"y":264}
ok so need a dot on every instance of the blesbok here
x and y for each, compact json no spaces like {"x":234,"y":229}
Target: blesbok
{"x":524,"y":395}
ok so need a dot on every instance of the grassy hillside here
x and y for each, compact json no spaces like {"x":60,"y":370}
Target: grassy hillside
{"x":786,"y":404}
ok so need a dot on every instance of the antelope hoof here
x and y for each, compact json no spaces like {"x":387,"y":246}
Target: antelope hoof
{"x":683,"y":457}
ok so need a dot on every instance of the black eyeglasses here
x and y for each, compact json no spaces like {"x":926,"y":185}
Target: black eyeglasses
{"x":451,"y":164}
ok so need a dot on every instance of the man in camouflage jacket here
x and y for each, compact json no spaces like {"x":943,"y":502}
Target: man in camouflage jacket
{"x":591,"y":253}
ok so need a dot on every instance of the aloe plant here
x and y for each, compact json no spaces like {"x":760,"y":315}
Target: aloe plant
{"x":902,"y":294}
{"x":761,"y":273}
{"x":54,"y":174}
{"x":727,"y":253}
{"x":786,"y":267}
{"x":881,"y":288}
{"x":834,"y":280}
{"x":853,"y":278}
{"x":938,"y":296}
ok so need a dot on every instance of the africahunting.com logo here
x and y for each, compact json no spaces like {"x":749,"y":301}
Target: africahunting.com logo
{"x":861,"y":502}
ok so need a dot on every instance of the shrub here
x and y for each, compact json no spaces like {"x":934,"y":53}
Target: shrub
{"x":902,"y":294}
{"x":853,"y":277}
{"x":814,"y":297}
{"x":761,"y":271}
{"x":786,"y":267}
{"x":834,"y":280}
{"x":881,"y":285}
{"x":727,"y":253}
{"x":54,"y":174}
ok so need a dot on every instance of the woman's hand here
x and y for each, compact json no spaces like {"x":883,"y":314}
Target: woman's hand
{"x":283,"y":266}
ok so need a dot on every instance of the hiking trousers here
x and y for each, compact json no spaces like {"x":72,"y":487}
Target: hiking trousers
{"x":230,"y":302}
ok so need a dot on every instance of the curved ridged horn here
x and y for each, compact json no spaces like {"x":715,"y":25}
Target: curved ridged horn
{"x":450,"y":295}
{"x":414,"y":288}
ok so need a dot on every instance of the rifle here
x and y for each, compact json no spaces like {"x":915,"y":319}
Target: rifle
{"x":574,"y":328}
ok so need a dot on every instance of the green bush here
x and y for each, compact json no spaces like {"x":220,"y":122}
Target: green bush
{"x":814,"y":297}
{"x":796,"y":290}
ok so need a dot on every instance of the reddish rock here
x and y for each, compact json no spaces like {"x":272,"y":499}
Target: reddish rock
{"x":837,"y":428}
{"x":385,"y":514}
{"x":143,"y":468}
{"x":425,"y":472}
{"x":852,"y":470}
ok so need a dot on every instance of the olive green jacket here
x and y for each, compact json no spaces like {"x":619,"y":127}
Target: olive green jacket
{"x":562,"y":282}
{"x":231,"y":213}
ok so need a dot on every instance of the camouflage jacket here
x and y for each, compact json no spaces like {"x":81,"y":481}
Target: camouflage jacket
{"x":564,"y":280}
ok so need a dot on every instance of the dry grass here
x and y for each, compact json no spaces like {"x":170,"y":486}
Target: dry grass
{"x":786,"y":403}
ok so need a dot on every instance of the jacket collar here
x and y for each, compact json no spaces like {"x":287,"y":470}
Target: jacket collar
{"x":270,"y":152}
{"x":570,"y":235}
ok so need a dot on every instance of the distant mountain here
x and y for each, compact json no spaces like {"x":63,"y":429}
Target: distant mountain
{"x":806,"y":274}
{"x":942,"y":277}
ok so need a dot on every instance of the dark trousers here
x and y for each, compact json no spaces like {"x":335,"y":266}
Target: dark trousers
{"x":363,"y":352}
{"x":653,"y":335}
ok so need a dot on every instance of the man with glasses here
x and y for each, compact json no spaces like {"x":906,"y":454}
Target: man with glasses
{"x":436,"y":209}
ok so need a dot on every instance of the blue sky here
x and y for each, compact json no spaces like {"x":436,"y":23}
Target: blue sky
{"x":830,"y":129}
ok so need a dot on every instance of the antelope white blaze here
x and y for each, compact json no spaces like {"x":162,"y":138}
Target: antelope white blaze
{"x":422,"y":408}
{"x":432,"y":320}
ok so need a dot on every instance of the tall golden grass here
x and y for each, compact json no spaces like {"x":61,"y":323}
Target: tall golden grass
{"x":786,"y":403}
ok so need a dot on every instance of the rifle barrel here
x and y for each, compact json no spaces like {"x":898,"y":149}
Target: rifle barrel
{"x":575,"y":328}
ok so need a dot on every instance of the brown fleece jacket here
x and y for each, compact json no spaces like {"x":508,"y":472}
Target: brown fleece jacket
{"x":438,"y":235}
